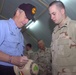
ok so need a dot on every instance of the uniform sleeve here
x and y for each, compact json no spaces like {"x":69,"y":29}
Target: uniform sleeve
{"x":75,"y":33}
{"x":51,"y":43}
{"x":2,"y":33}
{"x":72,"y":31}
{"x":36,"y":56}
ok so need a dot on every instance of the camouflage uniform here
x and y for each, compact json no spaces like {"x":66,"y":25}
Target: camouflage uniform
{"x":43,"y":59}
{"x":30,"y":54}
{"x":63,"y":48}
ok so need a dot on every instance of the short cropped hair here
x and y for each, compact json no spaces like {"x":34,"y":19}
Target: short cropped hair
{"x":29,"y":45}
{"x":58,"y":4}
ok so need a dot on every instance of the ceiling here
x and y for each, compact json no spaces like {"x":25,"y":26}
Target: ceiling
{"x":43,"y":26}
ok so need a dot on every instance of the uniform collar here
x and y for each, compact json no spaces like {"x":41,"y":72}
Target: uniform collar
{"x":42,"y":50}
{"x":13,"y":24}
{"x":65,"y":24}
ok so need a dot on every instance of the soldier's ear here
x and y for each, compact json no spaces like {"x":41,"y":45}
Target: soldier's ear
{"x":17,"y":12}
{"x":62,"y":11}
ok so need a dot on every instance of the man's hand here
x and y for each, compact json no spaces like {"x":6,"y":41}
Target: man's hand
{"x":19,"y":61}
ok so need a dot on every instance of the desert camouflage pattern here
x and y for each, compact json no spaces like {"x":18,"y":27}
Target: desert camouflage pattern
{"x":63,"y":48}
{"x":43,"y":59}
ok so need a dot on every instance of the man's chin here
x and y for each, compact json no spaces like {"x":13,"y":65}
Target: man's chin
{"x":56,"y":23}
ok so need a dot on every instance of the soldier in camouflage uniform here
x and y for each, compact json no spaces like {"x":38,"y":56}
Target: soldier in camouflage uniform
{"x":29,"y":52}
{"x":63,"y":45}
{"x":43,"y":59}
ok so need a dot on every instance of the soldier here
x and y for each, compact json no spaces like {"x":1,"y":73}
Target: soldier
{"x":29,"y":52}
{"x":63,"y":45}
{"x":43,"y":59}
